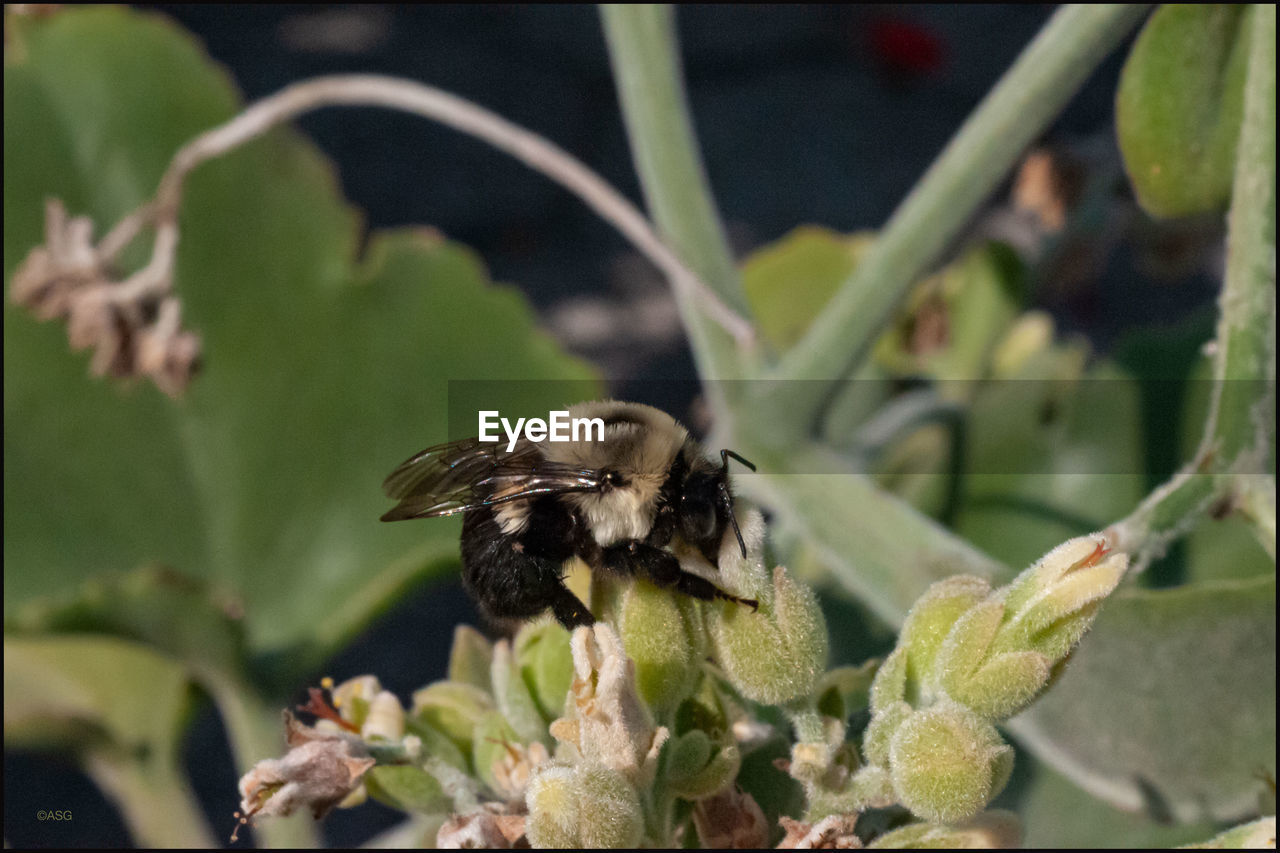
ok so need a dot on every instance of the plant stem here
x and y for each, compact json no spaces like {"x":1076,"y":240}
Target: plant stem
{"x":646,"y":69}
{"x":1240,"y":428}
{"x":872,"y":544}
{"x":1241,"y":424}
{"x":154,"y":798}
{"x":429,"y":102}
{"x":1029,"y":96}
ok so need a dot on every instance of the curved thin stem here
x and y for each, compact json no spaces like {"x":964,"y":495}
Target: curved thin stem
{"x":646,"y":69}
{"x":429,"y":102}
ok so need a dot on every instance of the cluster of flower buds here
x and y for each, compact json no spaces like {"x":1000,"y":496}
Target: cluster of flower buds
{"x":590,"y":739}
{"x":134,"y":327}
{"x":632,"y":735}
{"x":968,"y":657}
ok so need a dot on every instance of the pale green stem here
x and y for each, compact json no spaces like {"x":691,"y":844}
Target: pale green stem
{"x":1241,"y":424}
{"x":646,"y":69}
{"x":1240,"y":428}
{"x":154,"y":799}
{"x":255,"y":730}
{"x":1029,"y":96}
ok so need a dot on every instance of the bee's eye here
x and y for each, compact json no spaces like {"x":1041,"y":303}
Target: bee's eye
{"x":614,"y":479}
{"x":698,"y":517}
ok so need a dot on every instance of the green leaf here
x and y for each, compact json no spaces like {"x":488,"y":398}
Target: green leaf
{"x":1057,"y":814}
{"x":788,"y":281}
{"x":123,"y":706}
{"x":154,"y":605}
{"x":1170,"y":698}
{"x":1179,"y":107}
{"x":322,"y":370}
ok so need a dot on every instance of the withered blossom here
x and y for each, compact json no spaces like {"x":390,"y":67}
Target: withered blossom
{"x":834,"y":832}
{"x":134,"y":326}
{"x":607,"y":720}
{"x":319,"y":771}
{"x":483,"y":828}
{"x":731,"y":820}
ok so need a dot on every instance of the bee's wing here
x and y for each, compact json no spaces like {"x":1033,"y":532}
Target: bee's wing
{"x":462,"y":475}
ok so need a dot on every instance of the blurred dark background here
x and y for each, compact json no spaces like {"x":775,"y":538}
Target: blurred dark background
{"x":805,"y":114}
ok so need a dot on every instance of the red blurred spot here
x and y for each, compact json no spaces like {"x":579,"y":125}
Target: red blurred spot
{"x":904,"y":47}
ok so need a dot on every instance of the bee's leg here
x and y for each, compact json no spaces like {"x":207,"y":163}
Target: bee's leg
{"x":570,"y":611}
{"x":514,"y":577}
{"x":663,"y":569}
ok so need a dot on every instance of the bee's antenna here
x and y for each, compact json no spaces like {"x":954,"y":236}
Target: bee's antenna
{"x":727,"y":499}
{"x":724,"y":460}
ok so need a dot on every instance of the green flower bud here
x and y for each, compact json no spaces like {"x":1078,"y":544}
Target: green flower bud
{"x":1003,"y":685}
{"x":452,"y":708}
{"x":689,"y":753}
{"x":989,"y":831}
{"x":777,"y":654}
{"x":470,"y":657}
{"x":663,"y":634}
{"x":700,"y":768}
{"x":931,"y":618}
{"x":513,"y":696}
{"x":947,"y":763}
{"x":408,"y":788}
{"x":587,"y":805}
{"x":890,"y":684}
{"x":879,"y":733}
{"x":385,"y":720}
{"x":546,"y":663}
{"x":436,"y":743}
{"x":553,"y":798}
{"x":1052,"y":604}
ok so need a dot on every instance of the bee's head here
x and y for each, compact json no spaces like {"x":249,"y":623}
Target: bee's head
{"x":705,"y":507}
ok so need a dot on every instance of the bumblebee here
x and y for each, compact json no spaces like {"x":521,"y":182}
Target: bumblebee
{"x":619,"y":503}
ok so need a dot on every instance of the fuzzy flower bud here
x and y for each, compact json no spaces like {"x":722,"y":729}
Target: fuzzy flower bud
{"x":514,"y":696}
{"x":663,"y":634}
{"x":452,"y":708}
{"x":947,"y":762}
{"x":587,"y":805}
{"x":993,"y":652}
{"x":470,"y":657}
{"x":1050,"y":605}
{"x":606,"y":721}
{"x":778,"y":653}
{"x":546,"y":665}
